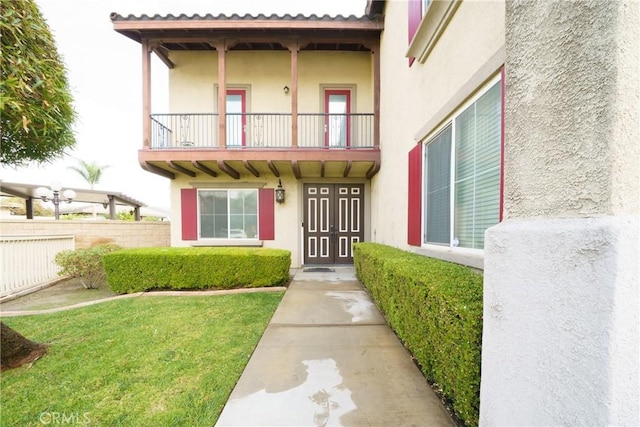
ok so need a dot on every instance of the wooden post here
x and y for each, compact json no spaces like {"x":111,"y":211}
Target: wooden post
{"x":293,"y":48}
{"x":376,"y":95}
{"x":146,"y":95}
{"x":222,"y":94}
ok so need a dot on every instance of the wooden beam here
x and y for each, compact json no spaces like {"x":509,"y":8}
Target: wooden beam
{"x":321,"y":168}
{"x":157,"y":170}
{"x":293,"y":48}
{"x":222,"y":94}
{"x":146,"y":95}
{"x":251,"y":169}
{"x":224,"y":167}
{"x":244,"y":24}
{"x":307,"y":154}
{"x":376,"y":96}
{"x":160,"y":52}
{"x":296,"y":169}
{"x":273,"y":168}
{"x":203,"y":168}
{"x":181,"y":169}
{"x":373,"y":170}
{"x":347,"y":169}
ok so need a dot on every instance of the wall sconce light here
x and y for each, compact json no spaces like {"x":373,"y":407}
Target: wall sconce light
{"x":285,"y":89}
{"x":280,"y":192}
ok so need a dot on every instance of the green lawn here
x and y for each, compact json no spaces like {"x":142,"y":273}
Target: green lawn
{"x":146,"y":361}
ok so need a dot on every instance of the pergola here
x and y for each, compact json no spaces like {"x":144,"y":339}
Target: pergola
{"x":105,"y":198}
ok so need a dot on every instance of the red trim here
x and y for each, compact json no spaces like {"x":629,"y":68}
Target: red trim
{"x":327,"y":94}
{"x":501,"y":143}
{"x":243,"y":98}
{"x":189,"y":207}
{"x":266,"y":214}
{"x":414,"y":210}
{"x":415,"y":17}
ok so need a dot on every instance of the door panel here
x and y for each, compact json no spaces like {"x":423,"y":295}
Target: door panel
{"x":236,"y":119}
{"x":337,"y":107}
{"x":333,"y":221}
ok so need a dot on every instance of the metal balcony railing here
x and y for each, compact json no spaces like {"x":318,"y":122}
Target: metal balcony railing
{"x":260,"y":130}
{"x":184,"y":131}
{"x":335,"y":131}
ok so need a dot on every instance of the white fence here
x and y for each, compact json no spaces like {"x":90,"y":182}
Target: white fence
{"x":28,"y":261}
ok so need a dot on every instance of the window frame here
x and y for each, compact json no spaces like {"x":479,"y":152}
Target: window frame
{"x":432,"y":136}
{"x":200,"y":238}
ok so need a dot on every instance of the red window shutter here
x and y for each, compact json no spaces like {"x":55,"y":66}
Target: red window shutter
{"x":414,"y":211}
{"x":189,"y":206}
{"x":415,"y":16}
{"x":266,"y":214}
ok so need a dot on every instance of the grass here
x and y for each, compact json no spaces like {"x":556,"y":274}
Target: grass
{"x":136,"y":362}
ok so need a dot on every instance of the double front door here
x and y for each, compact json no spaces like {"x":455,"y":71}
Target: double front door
{"x":333,"y":221}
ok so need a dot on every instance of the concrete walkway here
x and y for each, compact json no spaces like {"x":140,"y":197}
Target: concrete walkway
{"x":328,"y":358}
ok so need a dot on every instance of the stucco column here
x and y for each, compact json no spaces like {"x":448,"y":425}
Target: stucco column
{"x":561,"y":302}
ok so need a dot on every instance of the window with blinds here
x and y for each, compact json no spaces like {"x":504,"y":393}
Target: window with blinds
{"x":462,"y":175}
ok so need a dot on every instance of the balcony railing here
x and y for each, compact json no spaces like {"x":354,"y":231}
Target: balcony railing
{"x":257,"y":130}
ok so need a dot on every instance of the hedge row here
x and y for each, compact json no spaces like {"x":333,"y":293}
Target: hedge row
{"x":435,"y":307}
{"x":141,"y":269}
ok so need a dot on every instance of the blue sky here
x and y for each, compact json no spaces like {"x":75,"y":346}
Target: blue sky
{"x":105,"y":78}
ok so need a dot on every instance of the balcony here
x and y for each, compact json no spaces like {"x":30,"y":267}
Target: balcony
{"x":320,"y":145}
{"x":315,"y":58}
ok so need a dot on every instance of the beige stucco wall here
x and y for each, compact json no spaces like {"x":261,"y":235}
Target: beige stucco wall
{"x":87,"y":233}
{"x":412,"y":96}
{"x":561,"y":337}
{"x":595,"y":170}
{"x":193,"y":81}
{"x":288,"y":215}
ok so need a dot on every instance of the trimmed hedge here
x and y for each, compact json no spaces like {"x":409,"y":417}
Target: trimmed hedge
{"x":435,"y":307}
{"x":141,"y":269}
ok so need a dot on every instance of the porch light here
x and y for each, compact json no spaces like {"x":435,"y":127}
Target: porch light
{"x":280,"y":192}
{"x":285,"y":89}
{"x":53,"y":193}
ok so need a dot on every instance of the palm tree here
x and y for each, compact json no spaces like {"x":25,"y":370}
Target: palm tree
{"x":90,"y":171}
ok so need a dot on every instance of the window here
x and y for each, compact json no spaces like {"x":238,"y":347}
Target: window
{"x":228,"y":214}
{"x":462,"y":174}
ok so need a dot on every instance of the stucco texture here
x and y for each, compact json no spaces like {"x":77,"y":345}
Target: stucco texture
{"x":561,"y":331}
{"x":572,"y":108}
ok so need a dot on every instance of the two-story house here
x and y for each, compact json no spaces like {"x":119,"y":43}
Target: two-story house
{"x":501,"y":135}
{"x":272,"y":137}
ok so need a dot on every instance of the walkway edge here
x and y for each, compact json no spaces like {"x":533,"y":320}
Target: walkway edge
{"x":141,"y":294}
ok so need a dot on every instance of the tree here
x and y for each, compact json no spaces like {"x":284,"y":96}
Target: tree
{"x":36,"y":118}
{"x":16,"y":350}
{"x":36,"y":105}
{"x":90,"y":171}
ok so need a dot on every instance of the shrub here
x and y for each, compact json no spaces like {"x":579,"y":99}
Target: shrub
{"x":435,"y":307}
{"x":85,"y":264}
{"x":141,"y":269}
